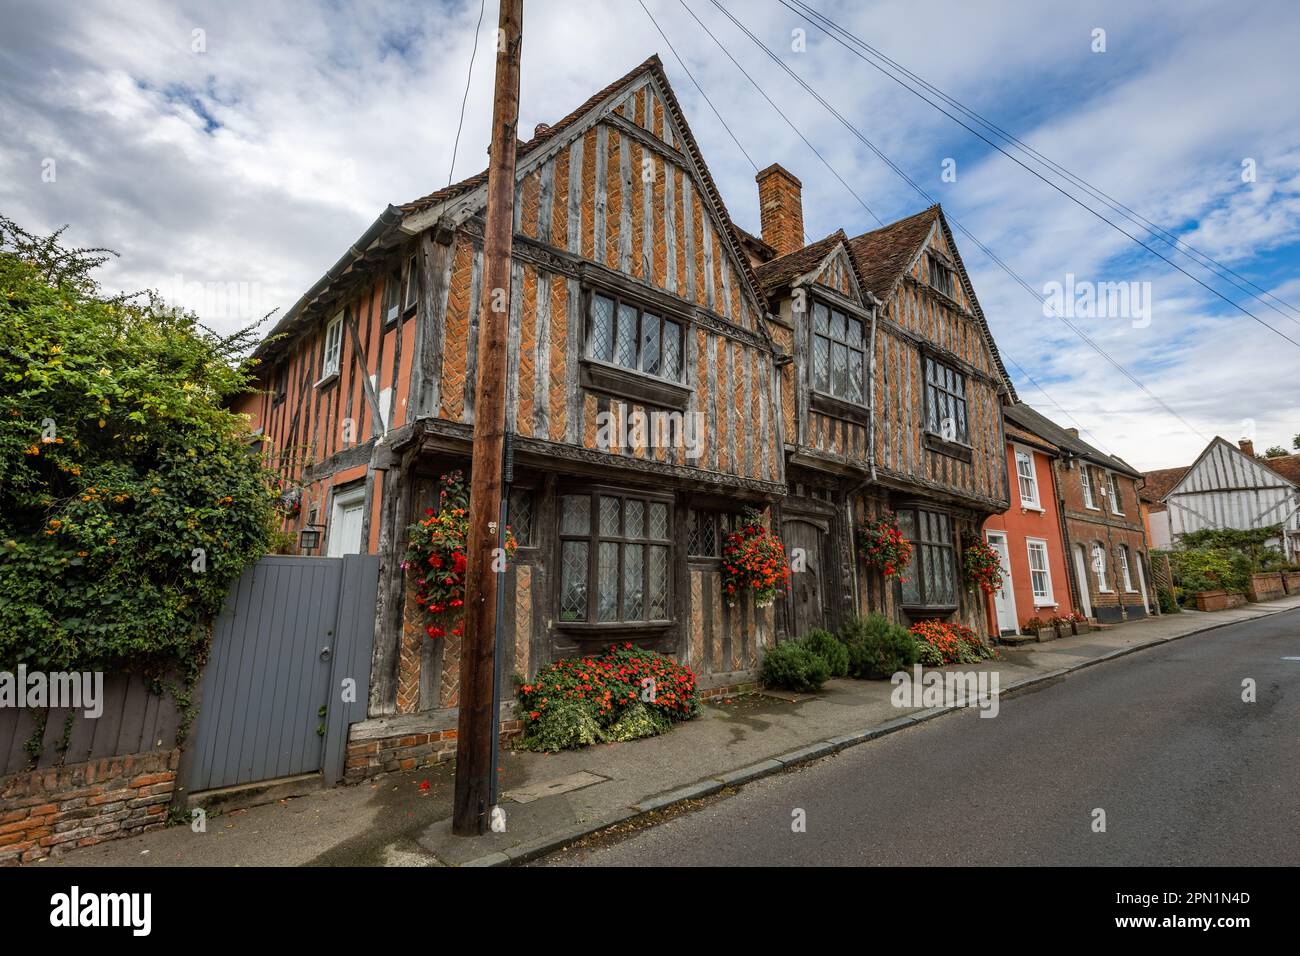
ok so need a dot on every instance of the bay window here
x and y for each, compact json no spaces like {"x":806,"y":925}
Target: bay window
{"x":930,"y":580}
{"x":615,"y":558}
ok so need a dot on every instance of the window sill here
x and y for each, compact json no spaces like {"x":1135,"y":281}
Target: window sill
{"x":1029,"y":507}
{"x":1046,"y":604}
{"x":327,"y":379}
{"x":612,"y":627}
{"x":837,"y":407}
{"x":952,"y":449}
{"x":636,"y":386}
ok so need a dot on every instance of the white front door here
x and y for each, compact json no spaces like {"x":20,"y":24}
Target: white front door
{"x":345,"y":523}
{"x":1004,"y":599}
{"x":1081,"y":572}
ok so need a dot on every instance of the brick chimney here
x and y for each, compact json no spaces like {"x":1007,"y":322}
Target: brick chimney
{"x":1072,"y":432}
{"x":780,"y":206}
{"x":1247,"y":446}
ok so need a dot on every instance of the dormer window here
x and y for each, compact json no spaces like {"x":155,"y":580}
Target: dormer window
{"x":838,"y":354}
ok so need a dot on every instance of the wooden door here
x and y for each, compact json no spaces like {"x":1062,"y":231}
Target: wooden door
{"x":805,"y":544}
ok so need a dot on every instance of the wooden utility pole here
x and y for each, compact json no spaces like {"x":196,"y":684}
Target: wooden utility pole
{"x":478,"y":647}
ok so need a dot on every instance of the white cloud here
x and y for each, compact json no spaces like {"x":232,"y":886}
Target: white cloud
{"x":312,"y":117}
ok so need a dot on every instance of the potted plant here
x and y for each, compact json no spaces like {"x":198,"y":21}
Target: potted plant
{"x":1079,"y":624}
{"x":437,"y":555}
{"x":882,"y":546}
{"x":753,"y":559}
{"x":983,"y":567}
{"x":1036,"y":627}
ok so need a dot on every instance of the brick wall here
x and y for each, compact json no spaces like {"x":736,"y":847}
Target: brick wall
{"x":409,"y":751}
{"x":47,"y":812}
{"x":1086,"y":525}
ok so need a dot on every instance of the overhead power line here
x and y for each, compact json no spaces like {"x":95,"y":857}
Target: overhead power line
{"x":1033,"y":172}
{"x":985,"y":249}
{"x":1224,"y":271}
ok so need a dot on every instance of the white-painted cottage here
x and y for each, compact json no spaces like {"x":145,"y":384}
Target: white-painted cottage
{"x":1226,"y":487}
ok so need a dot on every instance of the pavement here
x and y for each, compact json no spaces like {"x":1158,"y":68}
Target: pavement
{"x":552,"y":800}
{"x":1162,"y":749}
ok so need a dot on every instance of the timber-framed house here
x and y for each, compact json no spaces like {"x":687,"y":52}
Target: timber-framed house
{"x":667,"y":372}
{"x":891,"y":390}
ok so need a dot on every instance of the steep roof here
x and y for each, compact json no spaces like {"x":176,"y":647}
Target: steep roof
{"x":883,"y":255}
{"x":1161,"y":481}
{"x":786,"y":268}
{"x":386,"y":229}
{"x":1288,"y":466}
{"x":539,"y":139}
{"x":1025,"y":417}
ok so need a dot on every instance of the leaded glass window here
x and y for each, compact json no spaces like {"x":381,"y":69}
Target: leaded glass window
{"x":629,"y":537}
{"x":838,"y":354}
{"x":624,"y":334}
{"x":931,"y":578}
{"x":945,"y":402}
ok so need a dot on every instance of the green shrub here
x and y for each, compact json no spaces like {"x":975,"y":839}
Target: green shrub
{"x":831,"y":648}
{"x":626,"y":693}
{"x":1211,"y":569}
{"x":793,"y":665}
{"x":130,"y":497}
{"x":1168,"y":603}
{"x":877,"y":647}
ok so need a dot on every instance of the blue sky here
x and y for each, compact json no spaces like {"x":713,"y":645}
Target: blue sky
{"x":250,"y":143}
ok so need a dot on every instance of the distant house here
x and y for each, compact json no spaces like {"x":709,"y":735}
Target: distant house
{"x":1029,"y":536}
{"x":1102,"y":524}
{"x":1226,"y":487}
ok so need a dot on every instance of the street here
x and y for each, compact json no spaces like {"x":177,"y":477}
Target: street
{"x":1186,"y":772}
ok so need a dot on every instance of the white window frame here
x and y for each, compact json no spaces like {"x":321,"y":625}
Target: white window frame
{"x":1113,"y":480}
{"x":333,"y":357}
{"x":1034,"y":502}
{"x":1045,"y":598}
{"x":412,"y":296}
{"x":1125,"y":573}
{"x":1089,"y":497}
{"x":1099,"y":552}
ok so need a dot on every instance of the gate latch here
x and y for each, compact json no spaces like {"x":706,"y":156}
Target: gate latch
{"x":325,"y":653}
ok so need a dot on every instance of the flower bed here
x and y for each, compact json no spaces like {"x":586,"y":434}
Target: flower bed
{"x":942,"y":643}
{"x":753,"y":559}
{"x":627,"y":693}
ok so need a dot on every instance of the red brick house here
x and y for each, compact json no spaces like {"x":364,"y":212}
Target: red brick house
{"x":1030,"y":537}
{"x":1104,"y":535}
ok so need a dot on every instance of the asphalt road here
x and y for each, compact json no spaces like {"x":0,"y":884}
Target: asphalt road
{"x":1186,"y":772}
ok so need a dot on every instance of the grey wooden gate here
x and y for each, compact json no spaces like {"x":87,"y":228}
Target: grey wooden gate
{"x":271,"y":702}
